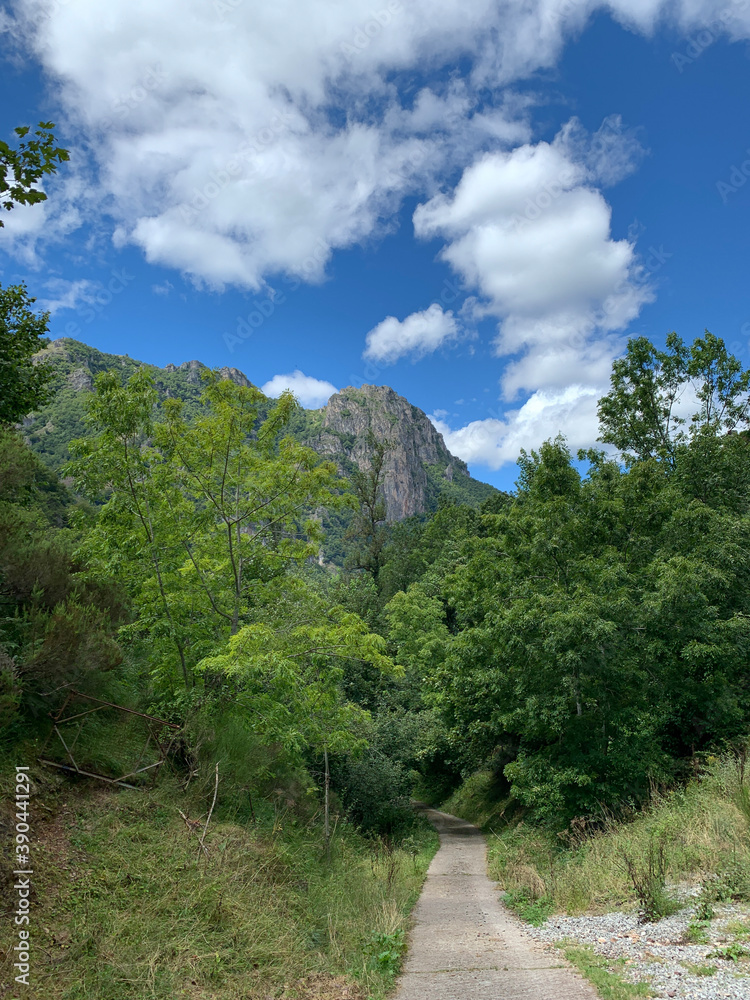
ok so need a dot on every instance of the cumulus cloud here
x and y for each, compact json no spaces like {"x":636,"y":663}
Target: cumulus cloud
{"x":419,"y":334}
{"x":530,"y":230}
{"x":497,"y":441}
{"x":232,"y":140}
{"x":311,"y":392}
{"x":218,"y":132}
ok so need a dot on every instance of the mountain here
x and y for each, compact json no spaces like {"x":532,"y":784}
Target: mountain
{"x":418,"y":466}
{"x":419,"y":469}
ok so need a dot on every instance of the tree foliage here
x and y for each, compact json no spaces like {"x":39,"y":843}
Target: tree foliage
{"x":23,"y":384}
{"x":196,"y":514}
{"x":22,"y":168}
{"x":660,"y":399}
{"x":367,"y":530}
{"x":593,"y":632}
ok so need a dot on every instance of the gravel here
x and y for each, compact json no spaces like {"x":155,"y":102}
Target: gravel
{"x":658,"y":953}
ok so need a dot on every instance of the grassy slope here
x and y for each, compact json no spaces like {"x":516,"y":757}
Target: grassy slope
{"x":125,"y":908}
{"x":702,"y":827}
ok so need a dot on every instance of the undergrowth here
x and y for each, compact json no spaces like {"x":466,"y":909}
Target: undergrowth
{"x":697,"y":834}
{"x":127,"y":906}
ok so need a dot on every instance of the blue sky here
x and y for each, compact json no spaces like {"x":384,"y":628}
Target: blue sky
{"x":475,"y":206}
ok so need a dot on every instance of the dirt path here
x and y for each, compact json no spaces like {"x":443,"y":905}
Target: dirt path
{"x":465,"y":946}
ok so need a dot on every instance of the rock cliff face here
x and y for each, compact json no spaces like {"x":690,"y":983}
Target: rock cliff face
{"x":419,"y":468}
{"x":416,"y":455}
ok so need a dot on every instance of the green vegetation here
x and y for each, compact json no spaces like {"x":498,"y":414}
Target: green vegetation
{"x":23,"y":385}
{"x":589,"y":635}
{"x":178,"y":580}
{"x":692,"y":834}
{"x":610,"y":985}
{"x":731,"y":953}
{"x":700,"y":970}
{"x":127,"y":904}
{"x":566,"y":666}
{"x":533,"y":910}
{"x":73,"y":366}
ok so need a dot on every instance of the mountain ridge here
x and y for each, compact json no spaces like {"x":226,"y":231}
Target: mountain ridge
{"x":419,"y":468}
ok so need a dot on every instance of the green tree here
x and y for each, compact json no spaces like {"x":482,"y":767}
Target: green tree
{"x":56,"y":623}
{"x":253,"y":491}
{"x":288,"y":665}
{"x":23,"y":384}
{"x":643,"y":413}
{"x":196,"y":515}
{"x":595,"y":629}
{"x":21,"y":169}
{"x":368,"y":529}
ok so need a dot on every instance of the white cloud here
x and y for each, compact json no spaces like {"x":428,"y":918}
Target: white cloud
{"x":64,"y":294}
{"x":311,"y":392}
{"x":163,"y":289}
{"x":530,"y":231}
{"x":497,"y":441}
{"x":232,"y":140}
{"x":419,"y":334}
{"x":211,"y":125}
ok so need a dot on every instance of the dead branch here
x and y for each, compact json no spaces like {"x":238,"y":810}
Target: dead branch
{"x":208,"y":818}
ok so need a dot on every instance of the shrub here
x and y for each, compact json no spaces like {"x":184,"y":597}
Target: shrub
{"x":648,"y":875}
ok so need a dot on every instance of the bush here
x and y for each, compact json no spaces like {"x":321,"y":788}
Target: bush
{"x":648,"y":874}
{"x":375,"y":792}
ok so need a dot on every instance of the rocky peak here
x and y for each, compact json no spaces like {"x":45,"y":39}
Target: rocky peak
{"x":235,"y":375}
{"x":193,"y":370}
{"x":415,"y":449}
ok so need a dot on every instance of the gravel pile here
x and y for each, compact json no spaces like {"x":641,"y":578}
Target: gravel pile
{"x":659,"y":953}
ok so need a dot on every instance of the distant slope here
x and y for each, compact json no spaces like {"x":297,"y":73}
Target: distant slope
{"x":75,"y":366}
{"x":419,"y":467}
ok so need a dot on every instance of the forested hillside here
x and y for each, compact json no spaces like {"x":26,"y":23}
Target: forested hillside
{"x":582,"y":640}
{"x":418,"y":469}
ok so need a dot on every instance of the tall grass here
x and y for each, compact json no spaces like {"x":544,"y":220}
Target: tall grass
{"x":128,"y":907}
{"x":702,"y":832}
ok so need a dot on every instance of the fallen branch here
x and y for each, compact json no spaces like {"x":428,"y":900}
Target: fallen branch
{"x":193,"y":825}
{"x":208,"y":818}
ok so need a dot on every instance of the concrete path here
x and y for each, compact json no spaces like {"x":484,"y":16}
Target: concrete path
{"x":465,"y":946}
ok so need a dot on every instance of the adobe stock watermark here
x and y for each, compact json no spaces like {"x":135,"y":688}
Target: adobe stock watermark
{"x":97,"y":303}
{"x":653,"y":262}
{"x":263,"y":308}
{"x":22,"y":883}
{"x":738,"y":176}
{"x":368,"y":30}
{"x":544,"y":199}
{"x":709,"y":33}
{"x":138,"y":93}
{"x":244,"y":162}
{"x":555,"y":16}
{"x":741,"y":345}
{"x":45,"y":11}
{"x":224,"y":7}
